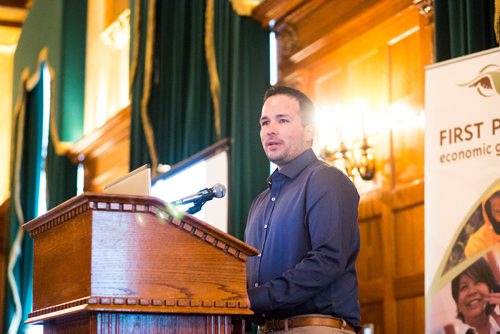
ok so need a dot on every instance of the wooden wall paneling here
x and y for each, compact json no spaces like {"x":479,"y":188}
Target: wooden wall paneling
{"x":113,"y":9}
{"x":330,"y":87}
{"x":332,"y":25}
{"x":105,"y":153}
{"x":405,"y":66}
{"x":407,"y":208}
{"x":409,"y":244}
{"x":389,"y":305}
{"x":108,"y":166}
{"x":409,"y":54}
{"x":368,"y":68}
{"x":270,"y":10}
{"x":371,"y":255}
{"x":370,"y":258}
{"x":372,"y":313}
{"x":368,"y":78}
{"x":409,"y":315}
{"x":409,"y":286}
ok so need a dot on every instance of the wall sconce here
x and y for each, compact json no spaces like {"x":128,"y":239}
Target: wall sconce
{"x":355,"y":159}
{"x":355,"y":155}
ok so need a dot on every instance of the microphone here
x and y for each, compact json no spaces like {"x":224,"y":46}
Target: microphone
{"x":218,"y":191}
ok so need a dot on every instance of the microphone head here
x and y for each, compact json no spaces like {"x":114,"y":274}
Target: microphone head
{"x":219,"y":190}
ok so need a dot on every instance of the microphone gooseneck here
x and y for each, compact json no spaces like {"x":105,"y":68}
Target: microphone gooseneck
{"x":202,"y":196}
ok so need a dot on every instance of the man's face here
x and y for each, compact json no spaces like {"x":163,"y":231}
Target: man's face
{"x":495,"y":208}
{"x":282,"y":134}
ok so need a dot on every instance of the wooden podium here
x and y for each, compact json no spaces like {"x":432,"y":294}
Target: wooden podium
{"x":130,"y":264}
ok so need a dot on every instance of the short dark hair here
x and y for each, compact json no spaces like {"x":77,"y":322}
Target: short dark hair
{"x":306,"y":105}
{"x":479,"y":271}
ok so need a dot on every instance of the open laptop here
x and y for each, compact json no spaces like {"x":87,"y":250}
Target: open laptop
{"x":136,"y":182}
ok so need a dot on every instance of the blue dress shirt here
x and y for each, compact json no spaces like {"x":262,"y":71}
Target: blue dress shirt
{"x":306,"y":226}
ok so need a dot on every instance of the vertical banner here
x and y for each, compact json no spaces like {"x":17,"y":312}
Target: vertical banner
{"x":462,"y":194}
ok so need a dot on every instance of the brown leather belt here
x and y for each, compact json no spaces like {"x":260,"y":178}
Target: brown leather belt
{"x":301,"y":321}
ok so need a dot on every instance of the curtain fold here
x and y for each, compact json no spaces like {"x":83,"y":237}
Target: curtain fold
{"x":180,"y":106}
{"x":61,"y":173}
{"x":244,"y":66}
{"x":26,"y":165}
{"x":66,"y":121}
{"x":463,"y":27}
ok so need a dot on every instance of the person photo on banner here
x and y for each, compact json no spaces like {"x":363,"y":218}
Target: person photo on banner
{"x":476,"y":292}
{"x":489,"y":233}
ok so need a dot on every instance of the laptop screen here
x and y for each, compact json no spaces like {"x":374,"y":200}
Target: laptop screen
{"x":136,"y":182}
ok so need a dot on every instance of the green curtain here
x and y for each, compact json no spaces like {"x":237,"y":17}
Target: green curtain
{"x":180,"y":109}
{"x":463,"y":27}
{"x":61,"y":172}
{"x":243,"y":65}
{"x":26,"y":166}
{"x":138,"y":147}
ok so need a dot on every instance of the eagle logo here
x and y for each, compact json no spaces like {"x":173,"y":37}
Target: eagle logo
{"x":487,"y":83}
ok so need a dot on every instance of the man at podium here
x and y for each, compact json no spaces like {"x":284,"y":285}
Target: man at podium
{"x":305,"y":224}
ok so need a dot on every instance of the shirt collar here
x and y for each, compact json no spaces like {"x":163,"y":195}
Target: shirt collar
{"x":294,"y":167}
{"x":463,"y":327}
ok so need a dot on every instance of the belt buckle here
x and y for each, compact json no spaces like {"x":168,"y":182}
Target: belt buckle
{"x":285,"y":323}
{"x":262,"y":329}
{"x":344,"y":324}
{"x":267,"y":328}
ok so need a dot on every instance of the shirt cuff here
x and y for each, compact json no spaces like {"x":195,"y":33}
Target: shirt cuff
{"x":259,"y":299}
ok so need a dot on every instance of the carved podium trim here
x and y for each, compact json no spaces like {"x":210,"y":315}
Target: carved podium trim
{"x":141,"y":204}
{"x":95,"y":303}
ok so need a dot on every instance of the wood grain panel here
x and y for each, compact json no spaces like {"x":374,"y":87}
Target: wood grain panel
{"x":411,"y":315}
{"x":331,"y":87}
{"x":409,"y":243}
{"x":404,"y":196}
{"x":105,"y":153}
{"x":368,"y":78}
{"x":107,"y":166}
{"x":376,"y":67}
{"x":406,"y":69}
{"x":407,"y":73}
{"x":327,"y":27}
{"x":370,"y":258}
{"x":371,"y":291}
{"x":70,"y":241}
{"x":274,"y":10}
{"x":372,"y":313}
{"x":409,"y":286}
{"x":408,"y":143}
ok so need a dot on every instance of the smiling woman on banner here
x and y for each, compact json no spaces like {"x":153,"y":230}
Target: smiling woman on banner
{"x":477,"y":295}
